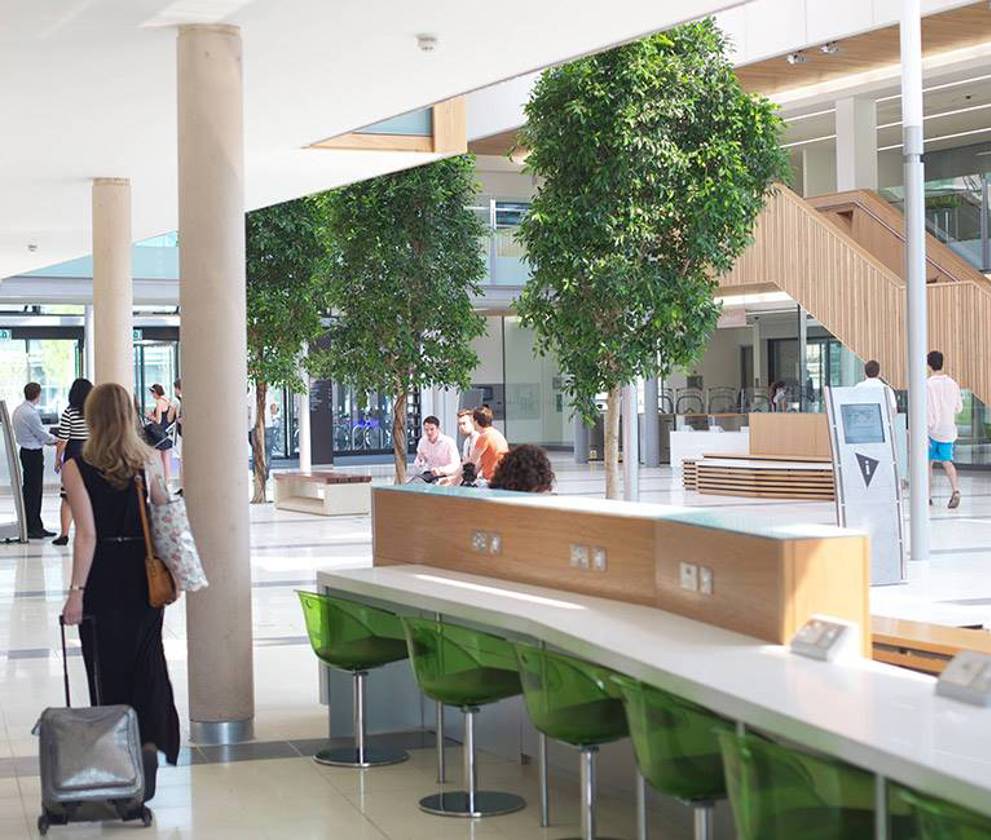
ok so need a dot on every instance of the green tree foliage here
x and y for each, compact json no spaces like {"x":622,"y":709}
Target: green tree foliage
{"x":404,"y":263}
{"x":285,"y":302}
{"x":654,"y":165}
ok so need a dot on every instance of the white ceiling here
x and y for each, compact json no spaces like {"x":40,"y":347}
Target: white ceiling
{"x":87,"y":89}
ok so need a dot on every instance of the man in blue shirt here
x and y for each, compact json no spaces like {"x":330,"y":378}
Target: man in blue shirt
{"x":32,"y":438}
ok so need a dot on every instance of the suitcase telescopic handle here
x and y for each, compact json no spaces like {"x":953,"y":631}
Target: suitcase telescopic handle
{"x":96,"y":661}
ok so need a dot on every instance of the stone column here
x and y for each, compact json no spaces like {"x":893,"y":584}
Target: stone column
{"x":818,"y":170}
{"x":113,"y":330}
{"x":856,"y":144}
{"x":212,"y":300}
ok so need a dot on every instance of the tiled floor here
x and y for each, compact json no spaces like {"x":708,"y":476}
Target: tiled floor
{"x":272,"y":789}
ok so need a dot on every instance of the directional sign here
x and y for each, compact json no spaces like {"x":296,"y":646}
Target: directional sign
{"x":868,"y":466}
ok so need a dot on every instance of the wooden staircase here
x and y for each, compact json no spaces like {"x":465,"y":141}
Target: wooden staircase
{"x":840,"y":257}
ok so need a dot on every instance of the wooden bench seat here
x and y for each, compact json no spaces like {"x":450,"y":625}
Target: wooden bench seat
{"x":324,"y":492}
{"x":774,"y":477}
{"x":923,"y":647}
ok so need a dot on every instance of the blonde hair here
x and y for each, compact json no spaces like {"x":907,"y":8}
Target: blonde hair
{"x":114,"y":447}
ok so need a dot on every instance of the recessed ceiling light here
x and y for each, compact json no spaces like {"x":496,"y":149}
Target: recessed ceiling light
{"x":797,"y":58}
{"x":427,"y":43}
{"x":32,"y":246}
{"x":829,"y":48}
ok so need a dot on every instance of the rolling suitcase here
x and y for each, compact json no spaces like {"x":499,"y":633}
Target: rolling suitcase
{"x":91,"y":763}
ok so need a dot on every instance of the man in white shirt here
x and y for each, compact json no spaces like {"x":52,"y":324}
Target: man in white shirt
{"x":872,"y":370}
{"x":32,"y":437}
{"x":436,"y":452}
{"x":943,"y":404}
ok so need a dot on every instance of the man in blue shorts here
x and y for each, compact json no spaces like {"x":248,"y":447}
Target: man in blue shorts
{"x":943,"y":404}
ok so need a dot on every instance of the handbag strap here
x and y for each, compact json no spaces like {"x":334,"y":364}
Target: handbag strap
{"x":143,"y":513}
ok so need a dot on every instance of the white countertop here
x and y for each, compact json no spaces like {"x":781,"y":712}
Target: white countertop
{"x":885,"y":719}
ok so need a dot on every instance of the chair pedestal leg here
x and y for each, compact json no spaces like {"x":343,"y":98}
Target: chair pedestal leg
{"x":360,"y":755}
{"x":641,"y":807}
{"x":703,"y":814}
{"x":588,"y":789}
{"x":471,"y":802}
{"x":441,"y":769}
{"x":545,"y":805}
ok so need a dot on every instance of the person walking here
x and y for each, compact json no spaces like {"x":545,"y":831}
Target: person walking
{"x":943,"y":404}
{"x":72,"y":434}
{"x":109,"y":581}
{"x":872,"y":374}
{"x":159,"y":415}
{"x":31,"y":438}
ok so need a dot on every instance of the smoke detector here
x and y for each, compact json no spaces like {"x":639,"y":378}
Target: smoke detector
{"x":426,"y":43}
{"x":32,"y":246}
{"x":797,"y":58}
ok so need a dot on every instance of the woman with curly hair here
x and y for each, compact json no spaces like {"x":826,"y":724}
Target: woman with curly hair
{"x":526,"y":469}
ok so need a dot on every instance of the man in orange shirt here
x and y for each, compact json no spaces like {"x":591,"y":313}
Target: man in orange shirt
{"x":490,"y":446}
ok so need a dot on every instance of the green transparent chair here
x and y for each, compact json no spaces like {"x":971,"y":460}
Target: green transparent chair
{"x":460,"y":667}
{"x":779,"y":793}
{"x":355,"y":638}
{"x":575,"y":702}
{"x":935,"y":819}
{"x":676,"y":747}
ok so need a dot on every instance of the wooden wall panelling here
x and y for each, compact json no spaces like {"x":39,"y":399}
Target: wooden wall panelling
{"x":451,"y":126}
{"x":436,"y":530}
{"x":790,"y":433}
{"x":763,"y":587}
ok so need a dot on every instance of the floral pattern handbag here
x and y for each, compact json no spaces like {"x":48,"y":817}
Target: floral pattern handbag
{"x":174,"y":543}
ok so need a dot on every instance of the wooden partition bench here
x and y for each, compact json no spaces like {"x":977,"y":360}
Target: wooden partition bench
{"x":764,"y":581}
{"x":323,"y":492}
{"x":789,"y":458}
{"x":923,"y":647}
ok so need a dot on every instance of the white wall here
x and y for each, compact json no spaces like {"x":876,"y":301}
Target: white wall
{"x":501,"y":178}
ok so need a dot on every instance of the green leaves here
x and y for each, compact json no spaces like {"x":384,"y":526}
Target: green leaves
{"x":285,"y":300}
{"x":654,"y":164}
{"x":403,"y":264}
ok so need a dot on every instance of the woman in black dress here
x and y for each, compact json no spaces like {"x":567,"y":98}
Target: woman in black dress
{"x":108,"y":572}
{"x":72,"y":434}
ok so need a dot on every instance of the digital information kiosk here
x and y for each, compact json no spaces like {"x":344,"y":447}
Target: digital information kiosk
{"x":11,"y":530}
{"x":868,"y":490}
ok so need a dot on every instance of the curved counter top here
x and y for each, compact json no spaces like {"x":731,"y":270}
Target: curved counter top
{"x":885,"y":719}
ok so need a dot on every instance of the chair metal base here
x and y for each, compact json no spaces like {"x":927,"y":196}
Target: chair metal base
{"x":348,"y":757}
{"x":488,"y":803}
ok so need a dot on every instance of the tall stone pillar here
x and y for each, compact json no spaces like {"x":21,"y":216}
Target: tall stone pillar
{"x":113,"y":331}
{"x":212,"y":299}
{"x":856,"y":144}
{"x":89,"y":355}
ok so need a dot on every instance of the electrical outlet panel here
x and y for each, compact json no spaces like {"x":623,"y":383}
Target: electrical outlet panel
{"x":689,"y":577}
{"x":479,"y":541}
{"x":579,"y":556}
{"x":598,"y":558}
{"x":705,"y":580}
{"x":495,"y":544}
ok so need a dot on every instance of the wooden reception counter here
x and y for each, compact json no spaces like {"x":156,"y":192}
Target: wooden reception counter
{"x":723,"y":569}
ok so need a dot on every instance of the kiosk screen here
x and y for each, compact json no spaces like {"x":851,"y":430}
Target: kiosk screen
{"x":862,"y":423}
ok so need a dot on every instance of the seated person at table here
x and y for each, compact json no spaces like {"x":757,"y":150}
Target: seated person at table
{"x":436,"y":453}
{"x":490,"y":446}
{"x":526,"y":469}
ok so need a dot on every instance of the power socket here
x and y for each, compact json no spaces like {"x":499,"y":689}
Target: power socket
{"x":705,"y":580}
{"x":689,"y":574}
{"x":579,"y":556}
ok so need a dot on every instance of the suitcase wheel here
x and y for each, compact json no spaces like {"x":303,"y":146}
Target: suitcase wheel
{"x":43,"y":824}
{"x":146,"y":816}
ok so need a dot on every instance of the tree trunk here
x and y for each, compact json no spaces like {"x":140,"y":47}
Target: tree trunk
{"x":611,"y":456}
{"x":399,"y":436}
{"x":258,"y":445}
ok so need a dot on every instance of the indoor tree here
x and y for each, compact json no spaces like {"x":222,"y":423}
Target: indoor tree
{"x":403,"y":264}
{"x":285,"y":302}
{"x":653,"y":164}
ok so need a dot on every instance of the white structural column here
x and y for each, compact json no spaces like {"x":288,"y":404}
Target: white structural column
{"x":818,"y":170}
{"x":856,"y":144}
{"x":631,"y":444}
{"x":113,"y":331}
{"x":915,"y":275}
{"x":89,"y":355}
{"x":212,"y":300}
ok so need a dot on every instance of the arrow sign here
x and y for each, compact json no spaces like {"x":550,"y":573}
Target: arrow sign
{"x":868,"y":466}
